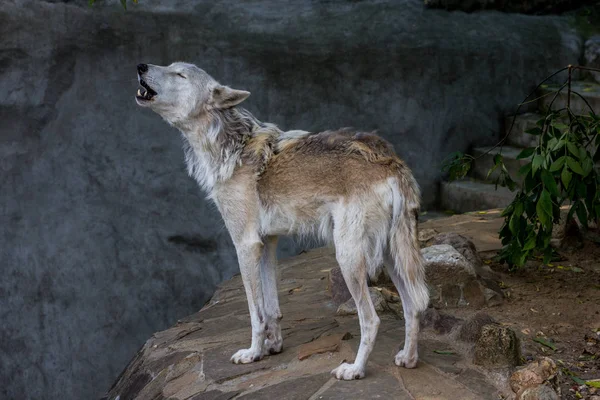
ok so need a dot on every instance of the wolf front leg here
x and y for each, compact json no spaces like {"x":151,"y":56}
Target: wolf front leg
{"x":268,"y":264}
{"x":249,"y":256}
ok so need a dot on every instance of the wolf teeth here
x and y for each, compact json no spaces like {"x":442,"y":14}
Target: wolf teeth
{"x":139,"y":92}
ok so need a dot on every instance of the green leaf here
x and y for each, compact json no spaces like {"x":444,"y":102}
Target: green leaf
{"x":593,"y":383}
{"x":544,"y":209}
{"x":534,"y":131}
{"x":545,"y":342}
{"x":581,"y":189}
{"x":526,"y":153}
{"x":550,"y":183}
{"x":513,"y":225}
{"x":498,"y":159}
{"x":521,"y":258}
{"x":560,"y":125}
{"x":506,"y":180}
{"x":91,"y":2}
{"x":558,"y":164}
{"x":524,"y":170}
{"x":537,"y":162}
{"x":587,"y":165}
{"x":547,"y":254}
{"x":559,"y":144}
{"x":573,"y":149}
{"x":518,"y":210}
{"x":124,"y":4}
{"x":457,"y":165}
{"x":530,"y":243}
{"x":574,"y":165}
{"x":445,"y":352}
{"x":508,"y":210}
{"x":565,"y":177}
{"x":529,"y":183}
{"x":582,"y":214}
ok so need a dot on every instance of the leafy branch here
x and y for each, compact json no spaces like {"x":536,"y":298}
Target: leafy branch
{"x":561,"y":170}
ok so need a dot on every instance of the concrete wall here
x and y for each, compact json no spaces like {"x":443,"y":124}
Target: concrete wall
{"x":104,"y":239}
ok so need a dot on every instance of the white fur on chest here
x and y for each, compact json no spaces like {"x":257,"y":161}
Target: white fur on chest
{"x":206,"y":168}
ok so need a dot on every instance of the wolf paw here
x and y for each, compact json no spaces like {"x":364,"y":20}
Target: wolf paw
{"x":348,"y":372}
{"x":245,"y":356}
{"x":406,"y":360}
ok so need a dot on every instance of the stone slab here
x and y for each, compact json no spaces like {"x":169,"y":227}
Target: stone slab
{"x":588,"y":90}
{"x":480,"y":227}
{"x":293,"y":389}
{"x":471,"y":195}
{"x":379,"y":385}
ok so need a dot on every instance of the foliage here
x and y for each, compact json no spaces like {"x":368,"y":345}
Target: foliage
{"x":123,"y":3}
{"x":560,"y":171}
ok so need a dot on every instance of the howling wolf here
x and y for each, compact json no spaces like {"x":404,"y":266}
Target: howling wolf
{"x":343,"y":186}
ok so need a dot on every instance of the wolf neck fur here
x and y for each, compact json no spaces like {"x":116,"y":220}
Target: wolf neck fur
{"x":214,"y":143}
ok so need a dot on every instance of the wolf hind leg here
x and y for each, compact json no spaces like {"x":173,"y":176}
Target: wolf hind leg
{"x":408,"y":356}
{"x":354,"y":269}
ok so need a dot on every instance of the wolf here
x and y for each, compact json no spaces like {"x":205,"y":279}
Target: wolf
{"x":343,"y":186}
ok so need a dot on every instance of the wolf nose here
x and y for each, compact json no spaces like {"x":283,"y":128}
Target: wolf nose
{"x":142,"y":68}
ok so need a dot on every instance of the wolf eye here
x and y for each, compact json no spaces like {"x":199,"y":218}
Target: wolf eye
{"x":181,"y":75}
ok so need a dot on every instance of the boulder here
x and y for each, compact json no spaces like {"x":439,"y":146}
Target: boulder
{"x":443,"y":263}
{"x":497,"y":347}
{"x":470,"y":330}
{"x":462,"y":244}
{"x":533,"y":374}
{"x":540,"y":392}
{"x":453,"y":280}
{"x":467,"y":248}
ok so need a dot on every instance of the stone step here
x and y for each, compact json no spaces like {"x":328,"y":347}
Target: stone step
{"x":590,"y":91}
{"x":523,"y":122}
{"x":470,"y":195}
{"x":486,"y":162}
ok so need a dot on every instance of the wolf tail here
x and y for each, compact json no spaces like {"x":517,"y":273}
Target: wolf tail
{"x":404,"y":243}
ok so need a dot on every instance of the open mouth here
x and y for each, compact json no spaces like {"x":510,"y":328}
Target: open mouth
{"x":145,"y":92}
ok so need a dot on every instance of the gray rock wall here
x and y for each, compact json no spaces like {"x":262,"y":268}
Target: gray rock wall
{"x":104,"y":239}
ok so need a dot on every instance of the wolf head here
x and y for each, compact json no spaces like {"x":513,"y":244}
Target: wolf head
{"x":181,"y":92}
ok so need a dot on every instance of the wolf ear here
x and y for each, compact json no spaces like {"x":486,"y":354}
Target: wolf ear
{"x":226,"y":97}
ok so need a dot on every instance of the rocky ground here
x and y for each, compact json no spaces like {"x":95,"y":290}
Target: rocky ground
{"x":191,"y":360}
{"x":491,"y":333}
